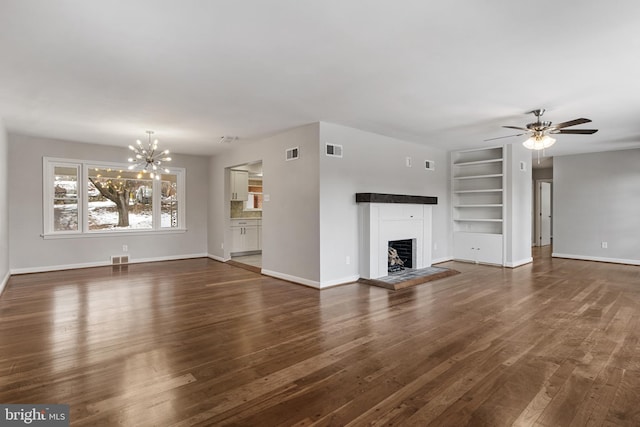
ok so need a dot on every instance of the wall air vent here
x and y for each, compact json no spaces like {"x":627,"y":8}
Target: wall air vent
{"x":333,"y":150}
{"x":292,"y":153}
{"x":430,"y":165}
{"x":120,"y":259}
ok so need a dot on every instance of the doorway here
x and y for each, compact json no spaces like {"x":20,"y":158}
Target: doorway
{"x":544,"y":213}
{"x":245,"y":214}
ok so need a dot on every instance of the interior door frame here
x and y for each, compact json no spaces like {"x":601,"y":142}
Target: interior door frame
{"x":538,"y":207}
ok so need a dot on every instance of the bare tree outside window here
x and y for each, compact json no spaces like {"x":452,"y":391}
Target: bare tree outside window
{"x":119,"y":199}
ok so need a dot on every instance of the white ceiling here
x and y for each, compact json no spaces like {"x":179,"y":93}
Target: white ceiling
{"x":446,"y":74}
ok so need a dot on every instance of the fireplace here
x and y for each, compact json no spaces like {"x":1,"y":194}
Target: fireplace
{"x":400,"y":255}
{"x":385,"y":218}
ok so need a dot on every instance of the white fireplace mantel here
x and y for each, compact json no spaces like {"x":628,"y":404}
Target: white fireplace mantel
{"x":381,"y":223}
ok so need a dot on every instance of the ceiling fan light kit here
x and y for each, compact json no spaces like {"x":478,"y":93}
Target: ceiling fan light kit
{"x":539,"y":142}
{"x":539,"y":131}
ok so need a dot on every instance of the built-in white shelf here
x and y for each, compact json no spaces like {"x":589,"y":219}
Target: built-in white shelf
{"x":477,"y":162}
{"x":478,"y":219}
{"x":493,"y":175}
{"x":478,"y":183}
{"x":488,"y":190}
{"x":486,"y":205}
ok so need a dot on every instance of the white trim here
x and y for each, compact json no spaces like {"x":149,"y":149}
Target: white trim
{"x":518,"y":263}
{"x":439,"y":260}
{"x":311,"y":283}
{"x":294,"y":279}
{"x":83,"y":167}
{"x":102,"y":264}
{"x":4,"y":281}
{"x":218,"y":258}
{"x":338,"y":282}
{"x":48,"y":192}
{"x":113,"y":233}
{"x":598,"y":259}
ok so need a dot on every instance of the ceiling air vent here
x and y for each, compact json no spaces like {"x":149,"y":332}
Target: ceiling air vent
{"x":430,"y":165}
{"x":292,"y":153}
{"x":333,"y":150}
{"x":227,"y":139}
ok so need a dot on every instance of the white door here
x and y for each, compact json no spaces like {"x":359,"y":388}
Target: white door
{"x":545,"y":213}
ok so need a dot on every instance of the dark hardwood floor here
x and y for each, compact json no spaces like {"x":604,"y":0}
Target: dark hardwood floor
{"x":198,"y":342}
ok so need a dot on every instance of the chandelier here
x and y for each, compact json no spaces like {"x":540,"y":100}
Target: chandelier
{"x":148,"y":158}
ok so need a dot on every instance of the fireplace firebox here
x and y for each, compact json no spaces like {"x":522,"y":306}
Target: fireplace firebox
{"x":400,"y":255}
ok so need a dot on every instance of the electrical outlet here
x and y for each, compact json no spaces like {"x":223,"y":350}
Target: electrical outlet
{"x":348,"y":260}
{"x":408,"y":162}
{"x":125,"y":248}
{"x":604,"y":245}
{"x":222,"y":245}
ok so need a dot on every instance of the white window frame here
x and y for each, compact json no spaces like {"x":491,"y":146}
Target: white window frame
{"x":49,"y":194}
{"x":83,"y":166}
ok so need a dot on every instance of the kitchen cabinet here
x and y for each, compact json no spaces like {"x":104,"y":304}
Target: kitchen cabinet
{"x":245,"y":235}
{"x":239,"y":182}
{"x":254,"y":197}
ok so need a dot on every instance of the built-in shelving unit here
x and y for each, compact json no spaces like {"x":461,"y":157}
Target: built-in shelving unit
{"x":478,"y":183}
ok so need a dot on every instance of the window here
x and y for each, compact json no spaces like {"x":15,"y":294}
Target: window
{"x":84,"y":198}
{"x":65,"y":198}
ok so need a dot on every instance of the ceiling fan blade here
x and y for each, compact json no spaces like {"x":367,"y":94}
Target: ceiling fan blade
{"x":516,"y":127}
{"x":508,"y":136}
{"x":576,"y":131}
{"x":571,"y":123}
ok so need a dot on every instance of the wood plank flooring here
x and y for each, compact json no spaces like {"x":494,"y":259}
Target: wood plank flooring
{"x":198,"y":342}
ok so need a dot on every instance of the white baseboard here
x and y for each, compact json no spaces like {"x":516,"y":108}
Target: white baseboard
{"x":337,"y":282}
{"x":439,"y":260}
{"x":518,"y":263}
{"x":595,"y":258}
{"x":59,"y":267}
{"x":311,"y":283}
{"x":4,"y":282}
{"x":294,"y":279}
{"x":218,"y":258}
{"x":101,"y":264}
{"x":167,"y":258}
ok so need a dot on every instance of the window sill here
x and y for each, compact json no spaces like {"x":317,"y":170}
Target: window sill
{"x":112,"y":233}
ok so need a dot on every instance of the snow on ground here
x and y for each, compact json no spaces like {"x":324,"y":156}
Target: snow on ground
{"x":103,"y":215}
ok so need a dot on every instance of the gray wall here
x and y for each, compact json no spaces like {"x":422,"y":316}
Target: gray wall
{"x":4,"y":208}
{"x":544,"y":173}
{"x":518,"y":220}
{"x":29,"y":252}
{"x":373,"y":163}
{"x":290,"y":230}
{"x":596,"y":198}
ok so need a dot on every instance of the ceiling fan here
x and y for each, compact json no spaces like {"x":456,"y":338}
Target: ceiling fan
{"x":539,"y":131}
